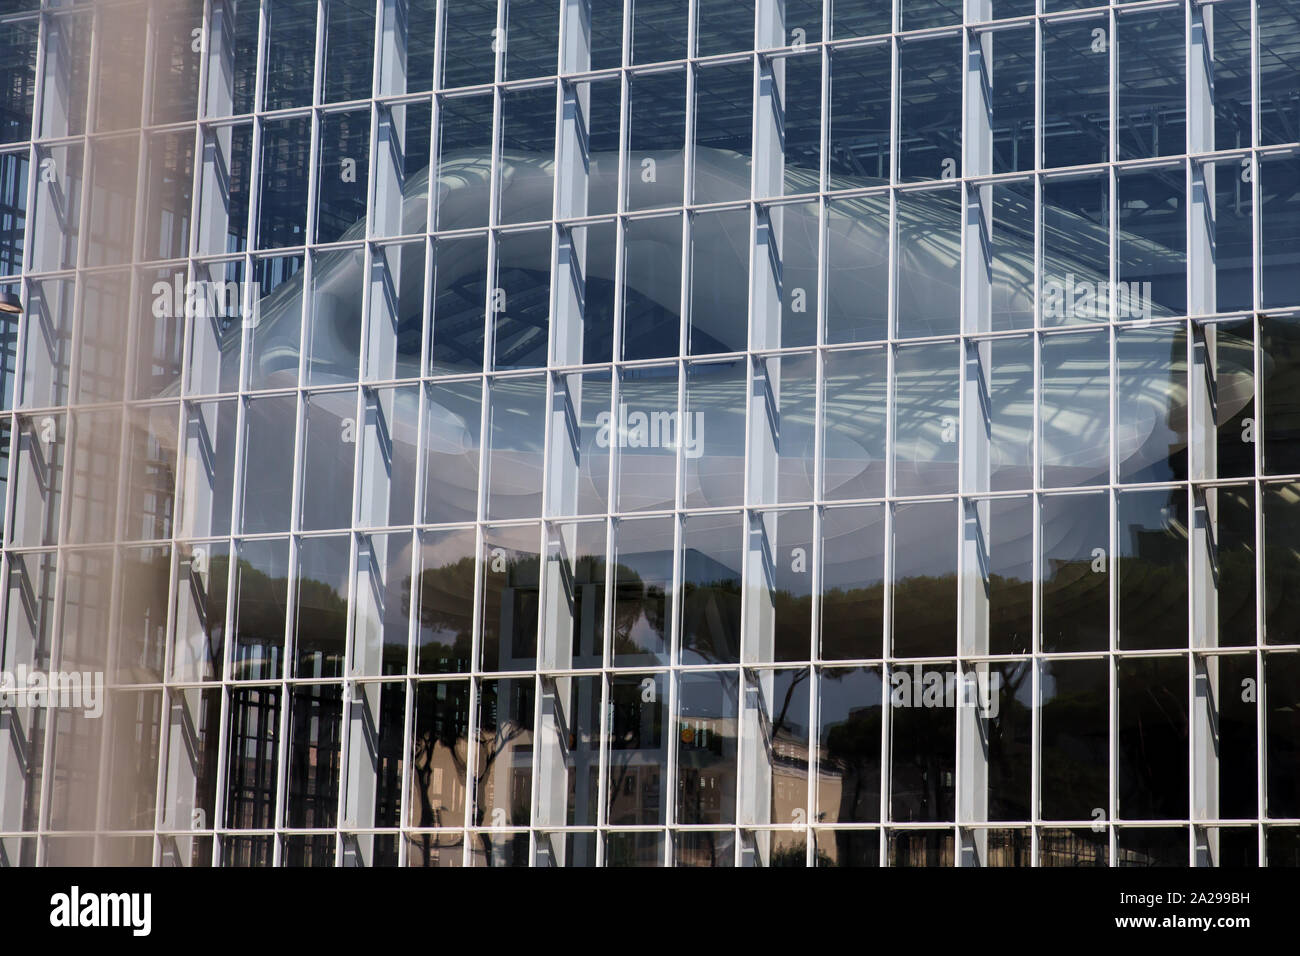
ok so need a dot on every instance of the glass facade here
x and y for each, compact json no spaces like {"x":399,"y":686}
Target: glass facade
{"x":651,"y":432}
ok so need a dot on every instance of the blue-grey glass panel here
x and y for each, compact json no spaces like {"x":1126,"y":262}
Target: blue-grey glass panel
{"x":1279,"y":62}
{"x":647,"y":453}
{"x":1234,"y":233}
{"x":64,"y":112}
{"x":159,"y":346}
{"x":652,"y":277}
{"x":1011,"y":254}
{"x":1229,"y":26}
{"x":261,"y":597}
{"x":854,"y":419}
{"x":927,"y":392}
{"x":639,"y":735}
{"x":320,"y":617}
{"x":532,"y":38}
{"x":464,"y":161}
{"x":202,"y":575}
{"x":267,"y":483}
{"x":1076,"y":91}
{"x":598,"y":277}
{"x":643,"y":592}
{"x":925,"y":579}
{"x":315,"y":746}
{"x":47,"y":346}
{"x":801,"y":122}
{"x":929,"y":263}
{"x":469,"y":60}
{"x":1074,"y":732}
{"x":521,"y":304}
{"x":919,"y":14}
{"x":506,"y":710}
{"x":1008,"y":368}
{"x":1076,"y":250}
{"x":169,"y":197}
{"x":406,"y":51}
{"x":723,"y":124}
{"x":217,"y":330}
{"x":445,"y":603}
{"x":859,"y":18}
{"x":1279,"y":226}
{"x":724,"y":26}
{"x":252,"y":762}
{"x":589,"y":393}
{"x":396,"y":311}
{"x":1279,"y":344}
{"x":857,"y":269}
{"x":227,"y":189}
{"x":1151,"y":382}
{"x":349,"y":49}
{"x":790,"y":537}
{"x":1153,"y":564}
{"x":708,"y":704}
{"x":712,"y":554}
{"x":511,"y":598}
{"x":848,"y":740}
{"x":852,"y":583}
{"x":329,"y":440}
{"x":101,"y":358}
{"x":656,"y":139}
{"x":1282,"y":793}
{"x":1281,"y":563}
{"x":1009,"y":539}
{"x":207,"y":487}
{"x":383,"y":606}
{"x":1151,"y":730}
{"x":1075,"y":410}
{"x":402,"y":169}
{"x":794,"y":379}
{"x":1005,"y":9}
{"x":120,"y":51}
{"x":57,"y":209}
{"x":1232,"y":345}
{"x":719,"y":282}
{"x":13,"y":211}
{"x":18,"y":80}
{"x":344,"y":176}
{"x":452,"y":426}
{"x":711,"y":434}
{"x":1152,"y":82}
{"x":276,"y":327}
{"x":923,"y":759}
{"x":859,"y":117}
{"x":388,"y":456}
{"x":1075,"y":569}
{"x":459,"y":300}
{"x":112,"y":200}
{"x":1152,"y":244}
{"x":930,"y":81}
{"x":800,"y":225}
{"x":606,"y":36}
{"x":604,"y":107}
{"x":527,"y":154}
{"x":658,"y":30}
{"x":1012,"y":78}
{"x":516,"y":413}
{"x":282,"y":207}
{"x":238,"y":24}
{"x":290,"y":53}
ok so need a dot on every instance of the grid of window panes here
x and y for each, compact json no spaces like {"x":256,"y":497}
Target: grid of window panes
{"x":778,"y":432}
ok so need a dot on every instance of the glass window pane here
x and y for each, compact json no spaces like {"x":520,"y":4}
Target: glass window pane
{"x":445,"y":601}
{"x":261,"y":597}
{"x":852,"y":582}
{"x":925,"y":580}
{"x":511,"y":598}
{"x":1074,"y":734}
{"x":859,"y":117}
{"x":848,"y":740}
{"x":706,"y":748}
{"x":1075,"y":555}
{"x":349,"y":49}
{"x":638,"y":751}
{"x":1152,"y":78}
{"x":643,"y":588}
{"x":1076,"y":90}
{"x":854,"y":420}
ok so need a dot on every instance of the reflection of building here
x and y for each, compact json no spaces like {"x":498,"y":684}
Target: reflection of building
{"x":312,"y":431}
